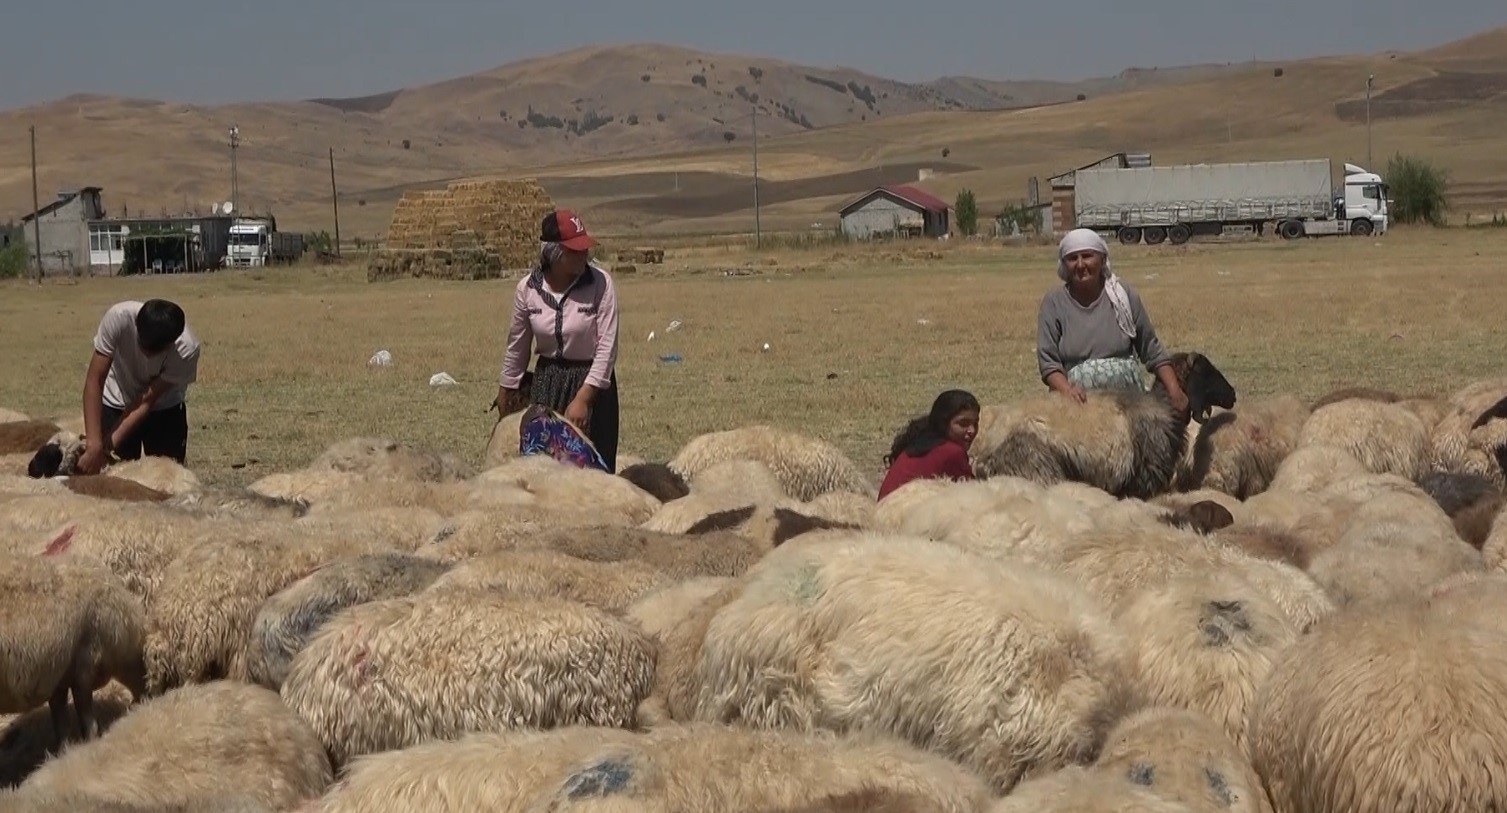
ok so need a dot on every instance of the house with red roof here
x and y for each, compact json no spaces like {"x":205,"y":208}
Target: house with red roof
{"x":902,"y":211}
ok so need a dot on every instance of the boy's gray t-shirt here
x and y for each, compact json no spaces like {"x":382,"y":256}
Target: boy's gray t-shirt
{"x":131,"y":371}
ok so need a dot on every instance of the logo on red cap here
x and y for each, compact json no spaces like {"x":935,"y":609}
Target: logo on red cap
{"x":572,"y":232}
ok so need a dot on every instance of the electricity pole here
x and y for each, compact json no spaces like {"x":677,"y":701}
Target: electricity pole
{"x":335,"y":199}
{"x":36,"y":205}
{"x":758,"y":232}
{"x":235,"y":192}
{"x":1369,"y":166}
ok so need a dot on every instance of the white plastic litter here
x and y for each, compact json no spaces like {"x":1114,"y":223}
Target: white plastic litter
{"x":441,"y":380}
{"x":381,"y":359}
{"x":674,"y":326}
{"x":766,"y":347}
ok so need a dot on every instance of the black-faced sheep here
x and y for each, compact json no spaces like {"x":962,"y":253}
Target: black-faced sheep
{"x":191,"y":746}
{"x":1126,"y":443}
{"x":1005,"y":668}
{"x":289,"y":618}
{"x":1394,"y":707}
{"x":1237,"y":452}
{"x":1472,"y":502}
{"x":69,"y":629}
{"x":443,"y":663}
{"x":657,"y":479}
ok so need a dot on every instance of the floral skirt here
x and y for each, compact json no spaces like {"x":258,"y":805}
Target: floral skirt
{"x":1108,"y":374}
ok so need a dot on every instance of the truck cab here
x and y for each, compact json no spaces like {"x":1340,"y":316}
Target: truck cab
{"x":1364,"y":202}
{"x":248,"y":245}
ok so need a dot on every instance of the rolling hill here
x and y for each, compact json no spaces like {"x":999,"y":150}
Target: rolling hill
{"x":656,"y":138}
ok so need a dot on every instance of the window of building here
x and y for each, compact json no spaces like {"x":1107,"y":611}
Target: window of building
{"x":104,"y":238}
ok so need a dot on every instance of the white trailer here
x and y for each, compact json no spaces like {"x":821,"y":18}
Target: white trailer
{"x":1297,"y":198}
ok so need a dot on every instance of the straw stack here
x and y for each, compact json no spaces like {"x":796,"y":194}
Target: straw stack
{"x":470,"y":230}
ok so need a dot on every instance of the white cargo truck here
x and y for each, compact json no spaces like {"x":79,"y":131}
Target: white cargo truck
{"x":255,"y":242}
{"x":1175,"y":203}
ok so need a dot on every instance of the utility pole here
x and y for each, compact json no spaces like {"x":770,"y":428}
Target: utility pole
{"x":36,"y":206}
{"x":335,"y":199}
{"x":235,"y":192}
{"x":758,"y":232}
{"x":1369,"y":166}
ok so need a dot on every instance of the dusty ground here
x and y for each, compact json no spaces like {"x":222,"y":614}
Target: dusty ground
{"x":861,"y":338}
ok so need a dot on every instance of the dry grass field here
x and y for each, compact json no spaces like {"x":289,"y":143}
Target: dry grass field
{"x":861,"y":338}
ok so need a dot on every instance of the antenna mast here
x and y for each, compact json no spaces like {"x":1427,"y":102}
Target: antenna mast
{"x":235,"y":193}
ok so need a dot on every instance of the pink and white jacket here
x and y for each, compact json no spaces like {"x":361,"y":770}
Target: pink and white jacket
{"x":580,"y":326}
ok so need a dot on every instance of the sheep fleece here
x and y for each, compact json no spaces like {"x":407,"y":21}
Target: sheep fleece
{"x":1000,"y":666}
{"x":396,"y":673}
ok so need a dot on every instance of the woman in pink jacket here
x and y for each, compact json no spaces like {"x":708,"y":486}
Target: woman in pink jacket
{"x":566,"y":310}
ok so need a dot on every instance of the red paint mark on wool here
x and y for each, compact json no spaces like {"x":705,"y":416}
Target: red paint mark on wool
{"x":61,"y":542}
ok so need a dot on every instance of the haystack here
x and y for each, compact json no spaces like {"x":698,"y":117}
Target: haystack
{"x":469,"y":230}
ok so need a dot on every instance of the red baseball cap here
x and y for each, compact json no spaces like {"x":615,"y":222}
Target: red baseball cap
{"x":564,"y":226}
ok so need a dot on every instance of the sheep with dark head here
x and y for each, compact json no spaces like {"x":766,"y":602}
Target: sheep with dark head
{"x":1124,"y":442}
{"x":658,"y":479}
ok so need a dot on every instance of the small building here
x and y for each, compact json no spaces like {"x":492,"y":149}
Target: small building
{"x":62,"y":228}
{"x":899,"y":210}
{"x":1064,"y":186}
{"x":158,"y":244}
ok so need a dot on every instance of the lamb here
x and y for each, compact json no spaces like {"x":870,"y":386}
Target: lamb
{"x":1184,"y":757}
{"x":806,"y":467}
{"x":1205,"y":642}
{"x":1126,"y":443}
{"x":852,"y":634}
{"x":1238,"y":452}
{"x":1386,"y":438}
{"x":222,"y":739}
{"x":437,"y":657}
{"x":290,"y":617}
{"x":1394,"y":707}
{"x":582,"y":769}
{"x":70,"y":629}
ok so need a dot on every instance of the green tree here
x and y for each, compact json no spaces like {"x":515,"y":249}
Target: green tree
{"x":1417,"y":190}
{"x":968,"y":213}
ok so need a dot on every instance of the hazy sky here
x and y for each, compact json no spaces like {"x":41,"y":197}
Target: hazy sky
{"x":220,"y":50}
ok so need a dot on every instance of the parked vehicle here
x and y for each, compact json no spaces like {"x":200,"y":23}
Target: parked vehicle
{"x":258,"y":242}
{"x":1175,"y":203}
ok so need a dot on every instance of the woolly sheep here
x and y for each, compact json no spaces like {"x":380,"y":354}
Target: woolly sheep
{"x":1471,"y":501}
{"x":1474,"y":597}
{"x":382,"y":458}
{"x":26,"y":740}
{"x":742,"y":479}
{"x":57,"y":456}
{"x":1076,"y":789}
{"x":553,"y":483}
{"x":1205,"y":642}
{"x":70,"y":629}
{"x":69,"y":802}
{"x":25,"y":436}
{"x":1386,"y":438}
{"x":162,"y":474}
{"x":845,"y":507}
{"x":584,"y":769}
{"x":504,"y":439}
{"x":1263,"y":541}
{"x":1186,"y":499}
{"x":1126,"y":443}
{"x":290,"y":617}
{"x":1455,"y":439}
{"x":343,"y":491}
{"x":438,"y":655}
{"x":679,"y":643}
{"x":768,"y":527}
{"x":199,"y":620}
{"x":1395,"y":707}
{"x":192,"y":745}
{"x":1314,"y":467}
{"x":236,"y":502}
{"x":1380,"y":560}
{"x":852,"y":634}
{"x":546,"y":573}
{"x":1238,"y":452}
{"x":110,"y":487}
{"x":775,"y":770}
{"x":657,"y":611}
{"x":1494,"y":550}
{"x":806,"y":467}
{"x":1185,"y":757}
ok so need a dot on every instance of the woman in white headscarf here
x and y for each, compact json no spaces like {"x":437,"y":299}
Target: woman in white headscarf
{"x":1093,"y":332}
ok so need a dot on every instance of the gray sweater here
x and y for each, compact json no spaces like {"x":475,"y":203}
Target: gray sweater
{"x":1068,"y":334}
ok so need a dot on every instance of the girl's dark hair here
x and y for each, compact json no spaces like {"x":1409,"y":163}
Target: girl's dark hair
{"x":928,"y":431}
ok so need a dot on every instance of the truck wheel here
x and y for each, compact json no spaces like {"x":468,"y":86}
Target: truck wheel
{"x":1130,"y":236}
{"x":1179,"y":234}
{"x":1155,"y":235}
{"x":1290,"y":229}
{"x":1360,"y":227}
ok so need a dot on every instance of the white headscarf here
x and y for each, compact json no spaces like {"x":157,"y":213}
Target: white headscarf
{"x":1081,"y":239}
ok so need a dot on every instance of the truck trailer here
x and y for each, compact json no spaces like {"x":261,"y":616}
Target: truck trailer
{"x":257,"y":242}
{"x":1175,"y":203}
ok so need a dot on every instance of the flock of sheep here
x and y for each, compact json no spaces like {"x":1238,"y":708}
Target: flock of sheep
{"x":1279,"y":606}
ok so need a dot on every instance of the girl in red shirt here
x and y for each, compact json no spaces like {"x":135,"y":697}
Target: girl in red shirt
{"x":934,"y":445}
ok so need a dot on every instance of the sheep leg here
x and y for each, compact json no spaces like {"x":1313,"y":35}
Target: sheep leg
{"x":58,"y":705}
{"x":83,"y":705}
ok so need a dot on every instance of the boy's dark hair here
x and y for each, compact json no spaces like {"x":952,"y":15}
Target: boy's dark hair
{"x":159,"y":323}
{"x":925,"y":433}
